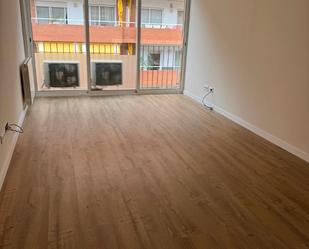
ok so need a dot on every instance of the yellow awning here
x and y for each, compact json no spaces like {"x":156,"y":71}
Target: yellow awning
{"x":120,"y":12}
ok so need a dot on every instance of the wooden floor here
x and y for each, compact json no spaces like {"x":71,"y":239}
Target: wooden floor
{"x":149,"y":172}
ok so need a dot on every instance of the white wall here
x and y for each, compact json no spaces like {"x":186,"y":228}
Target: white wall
{"x":256,"y":55}
{"x":11,"y":57}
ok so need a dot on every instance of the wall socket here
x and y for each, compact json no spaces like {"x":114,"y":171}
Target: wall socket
{"x":208,"y":88}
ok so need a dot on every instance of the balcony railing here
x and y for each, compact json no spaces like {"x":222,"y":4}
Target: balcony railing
{"x":163,"y":71}
{"x":77,"y":21}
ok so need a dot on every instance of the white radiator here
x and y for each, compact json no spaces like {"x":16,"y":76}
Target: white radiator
{"x":27,"y":77}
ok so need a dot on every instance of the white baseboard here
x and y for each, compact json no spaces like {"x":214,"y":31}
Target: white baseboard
{"x":7,"y":161}
{"x":61,"y":93}
{"x":275,"y":140}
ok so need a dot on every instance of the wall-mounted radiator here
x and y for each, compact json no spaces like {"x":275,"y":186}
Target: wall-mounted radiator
{"x":27,"y":79}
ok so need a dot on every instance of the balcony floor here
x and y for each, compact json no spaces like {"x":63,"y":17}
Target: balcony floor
{"x":149,"y":172}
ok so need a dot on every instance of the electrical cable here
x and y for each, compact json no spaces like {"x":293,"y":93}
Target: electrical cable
{"x":19,"y":129}
{"x":204,"y":98}
{"x":11,"y":127}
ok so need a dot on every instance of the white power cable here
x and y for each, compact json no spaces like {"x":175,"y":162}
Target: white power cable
{"x":11,"y":127}
{"x":210,"y":91}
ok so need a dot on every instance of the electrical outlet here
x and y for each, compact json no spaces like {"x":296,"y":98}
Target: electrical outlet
{"x":208,"y":88}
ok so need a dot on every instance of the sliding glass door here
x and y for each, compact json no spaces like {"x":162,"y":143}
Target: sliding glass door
{"x":59,"y":45}
{"x":100,"y":46}
{"x":161,"y":49}
{"x":112,"y":36}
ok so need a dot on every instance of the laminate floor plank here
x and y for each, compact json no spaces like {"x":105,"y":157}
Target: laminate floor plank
{"x":149,"y":172}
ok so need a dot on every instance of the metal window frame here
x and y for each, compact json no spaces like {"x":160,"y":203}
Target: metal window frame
{"x":28,"y":36}
{"x":139,"y":90}
{"x":87,"y":36}
{"x":27,"y":29}
{"x":185,"y":43}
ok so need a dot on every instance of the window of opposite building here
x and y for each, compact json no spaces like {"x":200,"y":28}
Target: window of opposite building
{"x":51,"y":15}
{"x":102,"y":15}
{"x":180,"y":17}
{"x":152,"y":17}
{"x":154,"y":61}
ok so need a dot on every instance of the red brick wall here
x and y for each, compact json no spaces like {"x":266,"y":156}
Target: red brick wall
{"x":76,"y":33}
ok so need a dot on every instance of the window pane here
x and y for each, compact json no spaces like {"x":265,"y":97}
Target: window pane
{"x":156,"y":17}
{"x":58,"y":15}
{"x":113,"y":59}
{"x":60,"y":57}
{"x":180,"y":17}
{"x":145,"y":16}
{"x":103,"y":16}
{"x":107,"y":16}
{"x":154,"y":61}
{"x":161,"y":49}
{"x":178,"y":58}
{"x":42,"y":14}
{"x":94,"y":15}
{"x":112,"y":15}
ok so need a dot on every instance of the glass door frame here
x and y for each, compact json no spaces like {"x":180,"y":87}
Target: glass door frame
{"x":88,"y":56}
{"x":186,"y":24}
{"x":27,"y":29}
{"x":28,"y":36}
